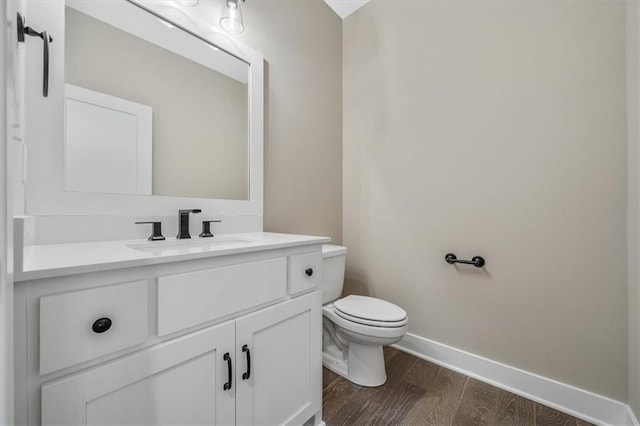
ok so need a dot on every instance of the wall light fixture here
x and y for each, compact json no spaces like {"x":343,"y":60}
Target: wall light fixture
{"x":231,"y":19}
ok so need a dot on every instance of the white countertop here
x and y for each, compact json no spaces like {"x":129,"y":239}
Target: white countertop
{"x":68,"y":259}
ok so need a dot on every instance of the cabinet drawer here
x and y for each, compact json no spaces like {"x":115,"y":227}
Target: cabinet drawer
{"x":305,"y":272}
{"x":189,"y":299}
{"x":67,"y":335}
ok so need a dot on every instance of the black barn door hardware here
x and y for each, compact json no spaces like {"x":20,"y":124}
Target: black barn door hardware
{"x":25,"y":30}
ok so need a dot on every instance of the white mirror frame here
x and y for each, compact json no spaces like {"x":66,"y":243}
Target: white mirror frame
{"x":45,"y":182}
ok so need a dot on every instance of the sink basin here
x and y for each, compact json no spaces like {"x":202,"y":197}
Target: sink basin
{"x":189,"y":246}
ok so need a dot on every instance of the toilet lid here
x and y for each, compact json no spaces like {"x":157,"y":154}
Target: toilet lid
{"x":370,"y":308}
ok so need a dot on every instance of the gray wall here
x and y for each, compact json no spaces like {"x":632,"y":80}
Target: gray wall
{"x":302,"y":43}
{"x":633,"y":212}
{"x":493,"y":128}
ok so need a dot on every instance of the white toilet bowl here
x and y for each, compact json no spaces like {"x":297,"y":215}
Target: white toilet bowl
{"x":356,"y":327}
{"x":353,"y":347}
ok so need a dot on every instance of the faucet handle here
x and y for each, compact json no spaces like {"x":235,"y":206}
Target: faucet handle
{"x":187,"y":211}
{"x":206,"y":228}
{"x":156,"y":234}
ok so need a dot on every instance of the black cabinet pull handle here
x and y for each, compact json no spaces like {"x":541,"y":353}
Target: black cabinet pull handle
{"x":24,"y":29}
{"x":247,"y":373}
{"x":309,"y":272}
{"x":101,"y":325}
{"x":227,"y":358}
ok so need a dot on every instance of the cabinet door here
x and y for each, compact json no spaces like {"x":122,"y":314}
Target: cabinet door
{"x":284,"y":344}
{"x":177,"y":382}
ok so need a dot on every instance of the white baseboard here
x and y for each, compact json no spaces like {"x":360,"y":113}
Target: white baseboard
{"x":577,"y":402}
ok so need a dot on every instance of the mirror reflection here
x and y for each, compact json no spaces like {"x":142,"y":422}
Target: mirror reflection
{"x":149,"y":120}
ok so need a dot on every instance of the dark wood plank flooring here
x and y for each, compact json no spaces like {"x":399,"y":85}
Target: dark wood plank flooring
{"x":418,"y":392}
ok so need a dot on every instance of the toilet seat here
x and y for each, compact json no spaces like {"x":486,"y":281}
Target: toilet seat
{"x":375,"y":332}
{"x":370,"y":311}
{"x":371,"y":323}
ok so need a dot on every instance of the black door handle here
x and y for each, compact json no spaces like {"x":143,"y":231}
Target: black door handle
{"x":23,"y":30}
{"x":227,"y":358}
{"x":309,"y":272}
{"x":247,"y":373}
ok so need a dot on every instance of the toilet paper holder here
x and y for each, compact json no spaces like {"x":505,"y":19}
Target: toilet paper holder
{"x":477,"y":261}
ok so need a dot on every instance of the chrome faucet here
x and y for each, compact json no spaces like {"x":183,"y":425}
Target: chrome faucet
{"x":183,"y":223}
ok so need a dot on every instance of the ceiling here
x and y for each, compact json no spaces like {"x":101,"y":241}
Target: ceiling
{"x":345,"y":8}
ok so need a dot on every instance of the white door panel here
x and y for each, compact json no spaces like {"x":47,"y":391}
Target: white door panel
{"x":154,"y":400}
{"x":16,"y":53}
{"x":12,"y":69}
{"x":108,"y":143}
{"x":181,"y":381}
{"x":284,"y":386}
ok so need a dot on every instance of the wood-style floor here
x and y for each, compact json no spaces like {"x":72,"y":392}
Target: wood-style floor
{"x":418,"y":392}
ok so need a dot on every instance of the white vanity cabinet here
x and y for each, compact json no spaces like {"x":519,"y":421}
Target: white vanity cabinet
{"x":214,"y":341}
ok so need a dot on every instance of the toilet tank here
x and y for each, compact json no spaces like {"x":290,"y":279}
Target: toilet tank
{"x":333,"y":262}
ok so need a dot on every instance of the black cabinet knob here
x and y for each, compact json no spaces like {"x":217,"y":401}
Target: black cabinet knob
{"x":101,"y":325}
{"x":309,"y":272}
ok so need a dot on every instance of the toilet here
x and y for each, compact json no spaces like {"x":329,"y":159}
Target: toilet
{"x":355,"y":328}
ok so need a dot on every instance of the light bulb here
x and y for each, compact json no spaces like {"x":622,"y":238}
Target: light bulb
{"x":231,"y":20}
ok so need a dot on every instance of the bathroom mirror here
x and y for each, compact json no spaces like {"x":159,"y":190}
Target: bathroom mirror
{"x":150,"y":109}
{"x":150,"y":118}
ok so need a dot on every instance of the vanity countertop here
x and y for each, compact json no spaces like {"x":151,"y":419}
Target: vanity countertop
{"x":46,"y":261}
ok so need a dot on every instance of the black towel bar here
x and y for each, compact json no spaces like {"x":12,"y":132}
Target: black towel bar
{"x":477,"y":261}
